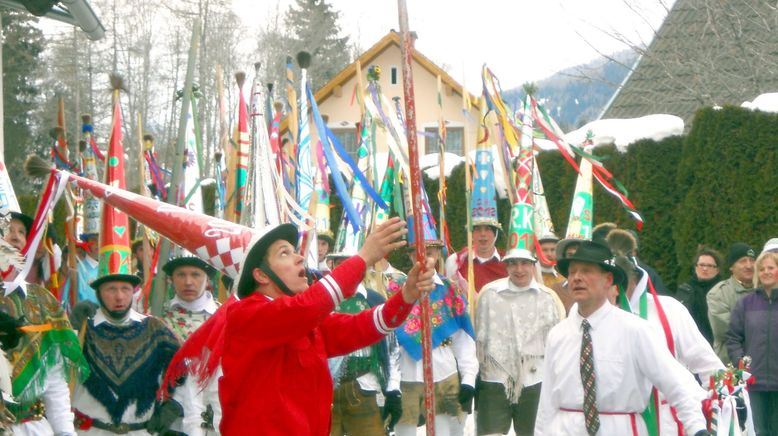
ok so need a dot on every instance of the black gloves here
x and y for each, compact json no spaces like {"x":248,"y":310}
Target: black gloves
{"x":164,"y":415}
{"x":9,"y":331}
{"x":80,"y":312}
{"x":466,"y":393}
{"x":393,"y":408}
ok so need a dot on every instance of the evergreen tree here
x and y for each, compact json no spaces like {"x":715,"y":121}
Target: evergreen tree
{"x":313,"y":27}
{"x":22,"y":46}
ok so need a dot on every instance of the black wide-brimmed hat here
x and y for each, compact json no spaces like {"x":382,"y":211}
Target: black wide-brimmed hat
{"x":129,"y":278}
{"x":256,"y":250}
{"x":598,"y":254}
{"x":187,"y":261}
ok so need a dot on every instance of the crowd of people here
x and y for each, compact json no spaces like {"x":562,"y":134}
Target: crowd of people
{"x":582,"y":339}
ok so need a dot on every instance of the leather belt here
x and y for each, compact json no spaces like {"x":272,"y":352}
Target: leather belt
{"x":85,"y":422}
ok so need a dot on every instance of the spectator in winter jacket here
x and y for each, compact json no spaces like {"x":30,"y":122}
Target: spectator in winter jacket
{"x":752,"y":331}
{"x":723,"y":296}
{"x":706,"y":268}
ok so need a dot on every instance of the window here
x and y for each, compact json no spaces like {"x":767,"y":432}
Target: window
{"x":393,"y":75}
{"x":454,"y":136}
{"x":348,"y":139}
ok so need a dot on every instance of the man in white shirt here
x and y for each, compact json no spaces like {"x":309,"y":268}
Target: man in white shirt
{"x":668,"y":318}
{"x":601,"y":362}
{"x":513,"y":318}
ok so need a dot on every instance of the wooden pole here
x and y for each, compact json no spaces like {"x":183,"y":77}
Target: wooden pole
{"x":418,"y":228}
{"x":158,"y":296}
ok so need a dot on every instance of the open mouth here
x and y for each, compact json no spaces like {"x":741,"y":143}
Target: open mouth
{"x":302,"y":273}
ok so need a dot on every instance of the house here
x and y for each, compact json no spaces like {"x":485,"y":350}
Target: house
{"x":704,"y":54}
{"x":336,"y":99}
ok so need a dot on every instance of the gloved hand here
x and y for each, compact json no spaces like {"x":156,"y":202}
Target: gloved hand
{"x":393,"y":408}
{"x":81,"y":311}
{"x":466,"y":394}
{"x":164,"y":415}
{"x":9,"y":331}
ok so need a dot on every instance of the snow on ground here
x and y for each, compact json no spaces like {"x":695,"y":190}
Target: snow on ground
{"x":469,"y":428}
{"x":765,"y":102}
{"x":623,"y":132}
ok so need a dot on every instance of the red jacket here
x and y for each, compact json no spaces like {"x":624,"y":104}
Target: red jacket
{"x":276,"y":380}
{"x":484,"y":273}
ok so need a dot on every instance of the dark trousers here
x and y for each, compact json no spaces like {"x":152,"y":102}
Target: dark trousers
{"x":764,"y":406}
{"x":495,"y":412}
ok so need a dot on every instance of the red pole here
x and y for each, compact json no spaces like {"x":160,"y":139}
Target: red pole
{"x":418,"y":230}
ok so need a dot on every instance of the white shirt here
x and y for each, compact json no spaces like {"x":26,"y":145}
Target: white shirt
{"x":204,"y":303}
{"x":195,"y":400}
{"x":692,"y":350}
{"x":628,"y":360}
{"x":88,"y":405}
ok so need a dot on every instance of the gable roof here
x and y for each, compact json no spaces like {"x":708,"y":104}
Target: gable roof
{"x":391,"y":38}
{"x":704,"y":54}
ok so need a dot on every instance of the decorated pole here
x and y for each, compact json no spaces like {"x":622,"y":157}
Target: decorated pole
{"x":521,"y":235}
{"x":158,"y":296}
{"x":144,"y":191}
{"x":466,"y":106}
{"x":415,"y":178}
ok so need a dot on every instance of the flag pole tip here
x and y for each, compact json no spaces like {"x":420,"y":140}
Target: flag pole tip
{"x":278,"y":106}
{"x":240,"y":77}
{"x":303,"y":59}
{"x":117,"y":82}
{"x":36,"y":166}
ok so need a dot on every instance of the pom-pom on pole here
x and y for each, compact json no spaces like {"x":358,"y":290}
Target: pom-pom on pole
{"x":240,"y":77}
{"x":117,"y":82}
{"x":37,"y":167}
{"x":86,"y":119}
{"x":303,"y":59}
{"x":82,"y":146}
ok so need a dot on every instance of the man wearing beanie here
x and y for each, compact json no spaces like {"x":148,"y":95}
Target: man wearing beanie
{"x":723,"y":296}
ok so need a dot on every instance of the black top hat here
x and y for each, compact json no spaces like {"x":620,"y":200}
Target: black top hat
{"x":25,"y":219}
{"x":187,"y":261}
{"x":596,"y":253}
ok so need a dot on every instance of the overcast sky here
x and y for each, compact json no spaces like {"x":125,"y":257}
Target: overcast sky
{"x":520,"y":40}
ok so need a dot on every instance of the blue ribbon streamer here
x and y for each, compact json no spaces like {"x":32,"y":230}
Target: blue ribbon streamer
{"x":332,"y":163}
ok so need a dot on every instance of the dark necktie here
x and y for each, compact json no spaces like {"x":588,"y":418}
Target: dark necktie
{"x":591,"y":417}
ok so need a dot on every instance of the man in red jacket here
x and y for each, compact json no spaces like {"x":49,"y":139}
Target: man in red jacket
{"x":279,"y":335}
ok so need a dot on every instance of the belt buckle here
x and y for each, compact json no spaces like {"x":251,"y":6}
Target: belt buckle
{"x":122,"y":428}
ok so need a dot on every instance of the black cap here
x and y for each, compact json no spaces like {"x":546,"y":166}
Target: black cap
{"x":739,"y":250}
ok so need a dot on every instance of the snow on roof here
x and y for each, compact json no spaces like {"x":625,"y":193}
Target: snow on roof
{"x":623,"y":132}
{"x":430,"y":164}
{"x":765,"y":102}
